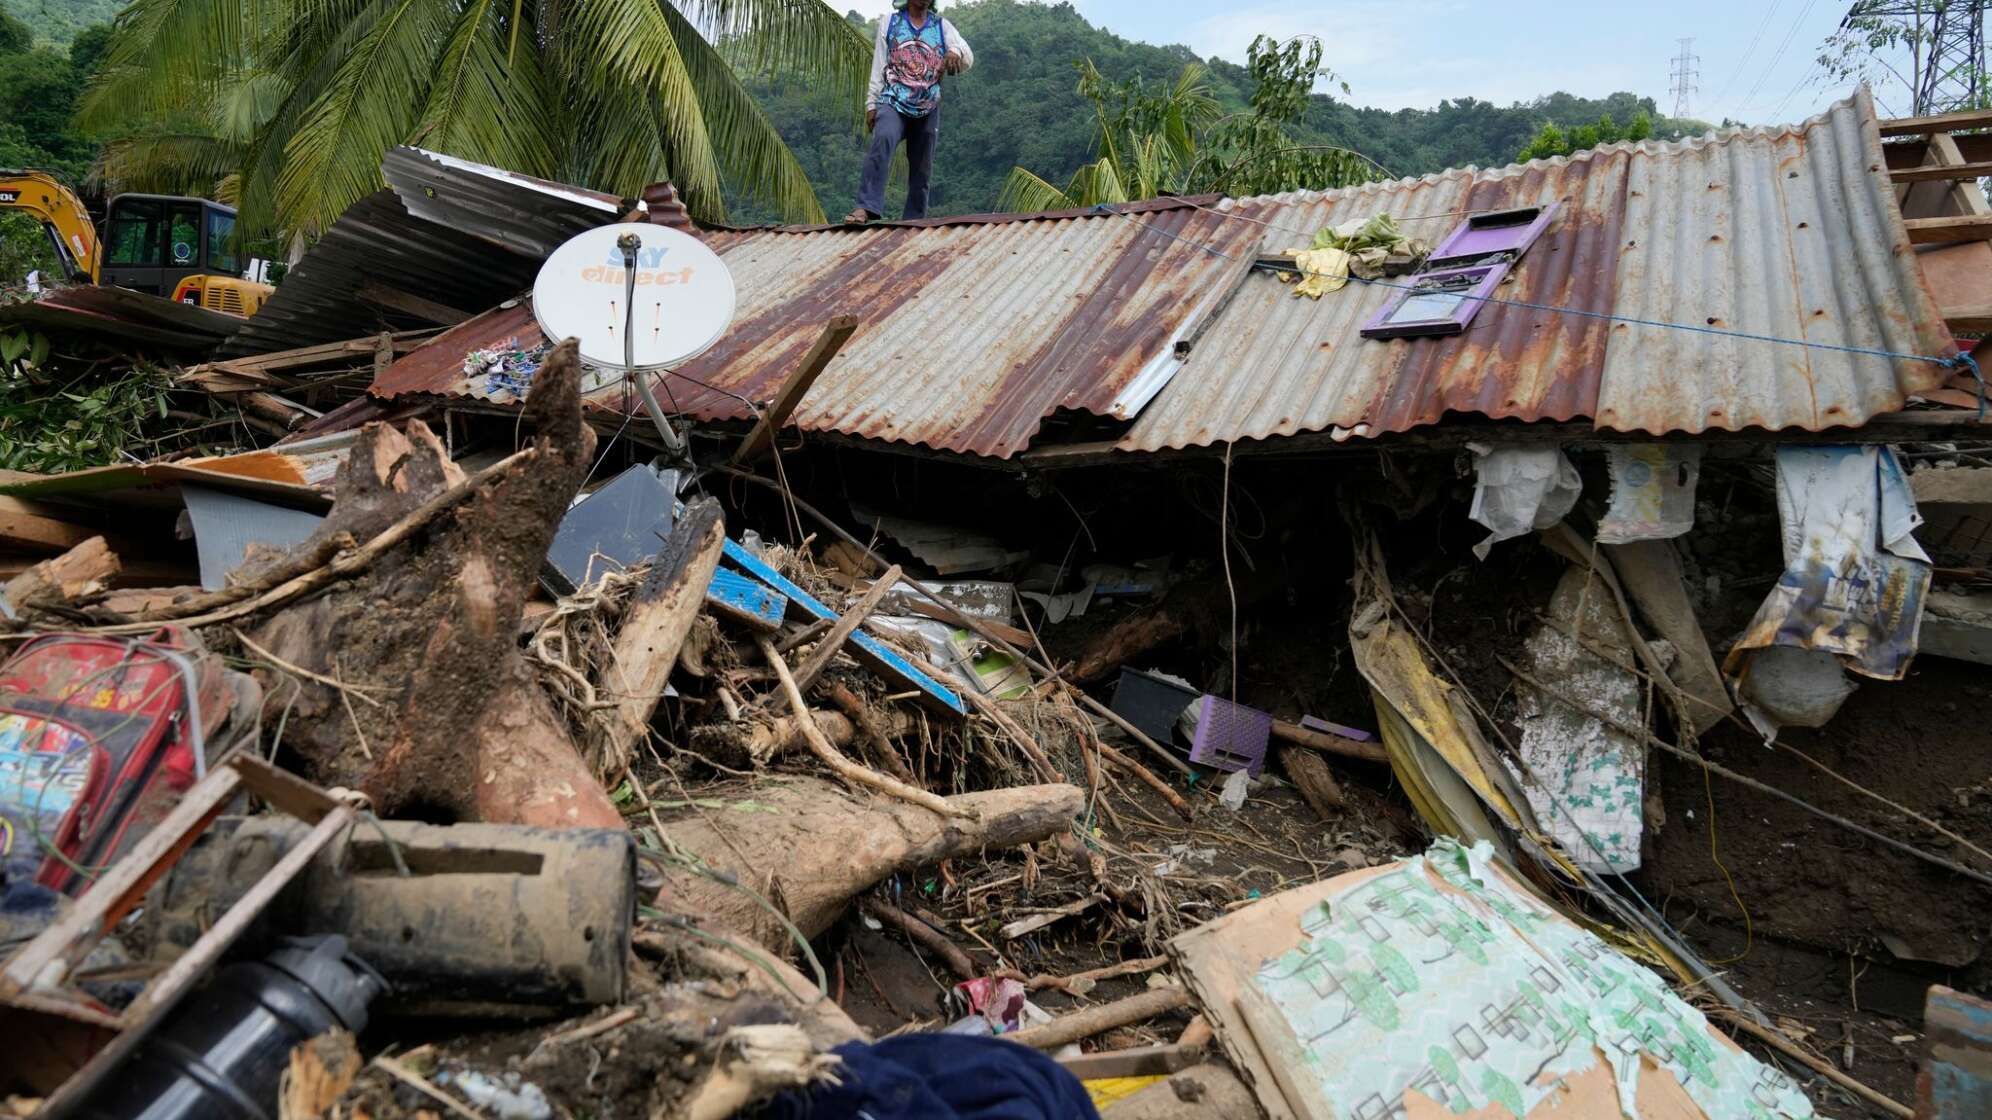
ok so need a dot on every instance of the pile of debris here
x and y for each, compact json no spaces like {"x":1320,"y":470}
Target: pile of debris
{"x":442,"y":748}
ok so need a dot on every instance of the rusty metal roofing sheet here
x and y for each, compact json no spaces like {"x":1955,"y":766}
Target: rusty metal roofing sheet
{"x":1787,"y":232}
{"x":121,"y":316}
{"x":970,"y":333}
{"x":489,"y":231}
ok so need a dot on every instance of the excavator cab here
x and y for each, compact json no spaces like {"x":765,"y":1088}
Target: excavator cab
{"x":155,"y":243}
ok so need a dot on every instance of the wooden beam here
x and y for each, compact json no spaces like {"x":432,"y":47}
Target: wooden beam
{"x":408,"y":303}
{"x":1939,"y":231}
{"x":30,"y":526}
{"x":819,"y":658}
{"x":835,"y":333}
{"x":1942,"y":122}
{"x":80,"y":571}
{"x":1938,"y":173}
{"x":654,"y":626}
{"x":1976,"y":319}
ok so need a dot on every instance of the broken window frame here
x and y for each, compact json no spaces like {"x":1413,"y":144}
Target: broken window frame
{"x":1485,"y":248}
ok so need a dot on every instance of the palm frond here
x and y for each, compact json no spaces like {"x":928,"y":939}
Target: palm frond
{"x":629,"y":42}
{"x":803,"y":39}
{"x":373,"y":102}
{"x":750,"y":151}
{"x":487,"y":107}
{"x":170,"y":163}
{"x":1025,"y":193}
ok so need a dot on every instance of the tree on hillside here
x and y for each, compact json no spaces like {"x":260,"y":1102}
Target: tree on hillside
{"x":293,"y":102}
{"x":1552,"y":141}
{"x":1903,"y":51}
{"x":1176,"y":141}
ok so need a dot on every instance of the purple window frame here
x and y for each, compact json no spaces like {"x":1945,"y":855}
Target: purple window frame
{"x":1482,"y":245}
{"x":1479,"y":237}
{"x":1471,"y":301}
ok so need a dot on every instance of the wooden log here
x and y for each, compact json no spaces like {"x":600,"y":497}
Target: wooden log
{"x":835,"y":333}
{"x":819,"y":657}
{"x":1316,"y":783}
{"x":816,"y":846}
{"x":925,"y":936}
{"x":1075,"y":1025}
{"x":81,"y":571}
{"x":1201,"y":607}
{"x":1333,"y":744}
{"x":759,"y":742}
{"x":653,"y":628}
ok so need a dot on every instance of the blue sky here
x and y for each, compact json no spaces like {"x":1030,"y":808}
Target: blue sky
{"x":1412,"y":53}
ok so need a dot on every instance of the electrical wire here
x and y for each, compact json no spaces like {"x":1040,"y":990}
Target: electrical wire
{"x":1961,"y":361}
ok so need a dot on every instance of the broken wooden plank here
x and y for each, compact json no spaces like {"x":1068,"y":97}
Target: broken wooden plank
{"x":1135,"y":1061}
{"x":746,"y":601}
{"x":819,"y":657}
{"x":1650,"y":572}
{"x":35,"y":526}
{"x":1940,"y":172}
{"x":654,"y":626}
{"x":835,"y":333}
{"x":1036,"y":922}
{"x":1940,"y":122}
{"x":408,"y":303}
{"x":869,"y":651}
{"x":1956,"y":1079}
{"x":1938,"y":231}
{"x":80,"y":571}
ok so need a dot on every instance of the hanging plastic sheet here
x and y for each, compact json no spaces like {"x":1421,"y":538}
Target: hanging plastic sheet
{"x":1854,"y":575}
{"x":1520,"y":490}
{"x":1653,"y":491}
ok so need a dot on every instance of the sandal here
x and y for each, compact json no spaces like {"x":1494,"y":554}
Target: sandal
{"x":860,"y":217}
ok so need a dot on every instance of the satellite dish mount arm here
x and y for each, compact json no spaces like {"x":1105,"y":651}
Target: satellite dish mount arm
{"x":674,"y":444}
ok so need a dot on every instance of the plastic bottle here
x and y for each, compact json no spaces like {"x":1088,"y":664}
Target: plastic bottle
{"x":221,"y":1053}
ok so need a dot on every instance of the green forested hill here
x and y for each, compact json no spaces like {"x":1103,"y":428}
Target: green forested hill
{"x":55,"y":22}
{"x":1020,"y":106}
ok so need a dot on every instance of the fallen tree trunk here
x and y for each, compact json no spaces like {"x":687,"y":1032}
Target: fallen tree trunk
{"x":810,"y":846}
{"x":81,"y":571}
{"x":432,"y":619}
{"x":654,"y":626}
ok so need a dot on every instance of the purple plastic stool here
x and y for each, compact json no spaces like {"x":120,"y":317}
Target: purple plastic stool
{"x":1231,"y":736}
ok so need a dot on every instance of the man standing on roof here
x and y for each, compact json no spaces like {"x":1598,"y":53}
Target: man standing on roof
{"x":914,"y":48}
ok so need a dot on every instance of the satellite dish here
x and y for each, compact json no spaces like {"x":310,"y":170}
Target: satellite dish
{"x":684,"y":296}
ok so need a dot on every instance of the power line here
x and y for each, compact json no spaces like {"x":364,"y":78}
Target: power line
{"x":1765,"y":74}
{"x":1749,"y":51}
{"x":1685,"y":69}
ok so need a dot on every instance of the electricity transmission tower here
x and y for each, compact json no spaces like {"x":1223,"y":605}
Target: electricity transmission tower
{"x":1951,"y":74}
{"x":1684,"y":72}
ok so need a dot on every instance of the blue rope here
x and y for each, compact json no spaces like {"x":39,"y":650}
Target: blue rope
{"x":1959,"y":361}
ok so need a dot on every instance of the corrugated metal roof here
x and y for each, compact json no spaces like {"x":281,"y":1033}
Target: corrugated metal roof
{"x":112,"y":313}
{"x":491,"y":230}
{"x":1789,"y":232}
{"x":973,"y":331}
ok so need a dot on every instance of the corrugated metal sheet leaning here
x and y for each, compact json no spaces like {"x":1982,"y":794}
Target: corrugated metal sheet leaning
{"x":975,"y":330}
{"x":1791,"y":232}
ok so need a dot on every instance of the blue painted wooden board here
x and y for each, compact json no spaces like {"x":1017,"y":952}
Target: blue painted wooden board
{"x":747,"y":600}
{"x":869,"y":651}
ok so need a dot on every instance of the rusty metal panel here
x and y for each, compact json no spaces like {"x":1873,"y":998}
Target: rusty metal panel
{"x":970,"y":334}
{"x":1789,"y":232}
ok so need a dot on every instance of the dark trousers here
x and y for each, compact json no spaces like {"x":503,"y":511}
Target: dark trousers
{"x":920,"y":134}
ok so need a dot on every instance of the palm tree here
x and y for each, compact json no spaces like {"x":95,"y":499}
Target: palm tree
{"x":285,"y":106}
{"x":1176,"y":142}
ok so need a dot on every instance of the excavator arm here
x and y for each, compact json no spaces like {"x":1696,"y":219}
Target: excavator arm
{"x":62,"y":216}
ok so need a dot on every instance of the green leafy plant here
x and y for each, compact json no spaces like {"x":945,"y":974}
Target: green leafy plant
{"x":287,"y":105}
{"x":1177,"y":142}
{"x":50,"y":424}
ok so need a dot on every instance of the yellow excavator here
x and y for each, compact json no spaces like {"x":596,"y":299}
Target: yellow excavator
{"x":165,"y":245}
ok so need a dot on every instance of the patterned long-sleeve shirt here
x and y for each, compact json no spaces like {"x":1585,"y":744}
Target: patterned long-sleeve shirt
{"x":907,"y":62}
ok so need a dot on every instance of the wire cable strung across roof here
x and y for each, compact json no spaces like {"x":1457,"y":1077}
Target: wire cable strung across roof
{"x":1959,"y":361}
